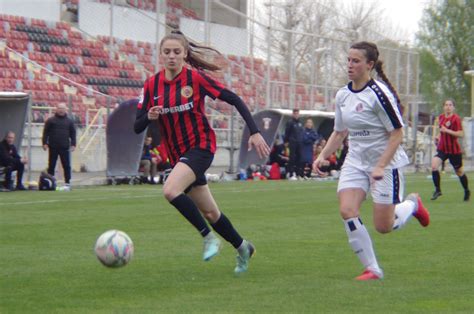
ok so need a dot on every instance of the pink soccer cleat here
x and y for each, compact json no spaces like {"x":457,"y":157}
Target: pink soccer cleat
{"x":368,"y":275}
{"x":422,"y":213}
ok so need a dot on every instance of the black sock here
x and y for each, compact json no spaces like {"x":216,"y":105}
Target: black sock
{"x":224,"y":227}
{"x":464,"y":183}
{"x":436,"y":180}
{"x":189,"y":210}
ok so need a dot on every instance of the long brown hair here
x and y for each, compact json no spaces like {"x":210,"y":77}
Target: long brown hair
{"x":371,"y":52}
{"x":196,"y":54}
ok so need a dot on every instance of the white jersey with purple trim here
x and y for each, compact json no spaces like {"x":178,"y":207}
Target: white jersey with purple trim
{"x":369,"y":115}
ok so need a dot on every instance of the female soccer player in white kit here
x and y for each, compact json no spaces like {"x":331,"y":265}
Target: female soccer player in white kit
{"x":367,"y":110}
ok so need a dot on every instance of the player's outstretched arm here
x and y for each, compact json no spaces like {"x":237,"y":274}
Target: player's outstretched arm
{"x":256,"y":139}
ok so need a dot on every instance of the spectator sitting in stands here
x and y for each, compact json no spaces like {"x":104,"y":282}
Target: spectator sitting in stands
{"x":38,"y":117}
{"x":148,"y":163}
{"x":330,"y":163}
{"x":10,"y":159}
{"x":341,"y":154}
{"x":278,"y":154}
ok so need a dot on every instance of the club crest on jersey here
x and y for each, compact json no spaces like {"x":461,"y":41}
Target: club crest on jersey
{"x":359,"y":107}
{"x":187,"y":91}
{"x":448,"y":124}
{"x":266,"y":123}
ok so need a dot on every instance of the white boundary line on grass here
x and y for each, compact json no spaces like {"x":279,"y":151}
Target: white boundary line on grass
{"x":215,"y":191}
{"x":75,"y":200}
{"x":248,"y":188}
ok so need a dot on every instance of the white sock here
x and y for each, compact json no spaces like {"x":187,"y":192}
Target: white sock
{"x":403,"y":213}
{"x":359,"y":240}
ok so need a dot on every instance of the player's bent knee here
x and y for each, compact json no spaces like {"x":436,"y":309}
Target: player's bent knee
{"x":211,"y":216}
{"x":384,"y":228}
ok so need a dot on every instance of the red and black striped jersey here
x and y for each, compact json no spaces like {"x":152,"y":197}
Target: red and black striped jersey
{"x":183,"y":123}
{"x":449,"y":144}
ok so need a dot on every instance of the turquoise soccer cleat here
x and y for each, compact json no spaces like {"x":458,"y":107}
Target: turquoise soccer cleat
{"x":245,"y":253}
{"x":212,"y":245}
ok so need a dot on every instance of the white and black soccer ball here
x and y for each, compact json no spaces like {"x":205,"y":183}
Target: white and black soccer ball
{"x":114,"y":248}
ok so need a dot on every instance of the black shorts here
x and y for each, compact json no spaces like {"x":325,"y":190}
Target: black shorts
{"x":199,"y":161}
{"x":454,"y":159}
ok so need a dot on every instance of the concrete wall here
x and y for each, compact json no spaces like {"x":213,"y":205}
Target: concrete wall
{"x":226,"y":39}
{"x":96,"y":161}
{"x":220,"y":15}
{"x":138,"y":25}
{"x":49,"y":10}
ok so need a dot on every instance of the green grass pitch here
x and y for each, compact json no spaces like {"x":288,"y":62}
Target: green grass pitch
{"x":303,"y":261}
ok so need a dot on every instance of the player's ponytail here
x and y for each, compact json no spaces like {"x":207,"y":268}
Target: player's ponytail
{"x":197,"y":55}
{"x":379,"y":69}
{"x":372,"y":54}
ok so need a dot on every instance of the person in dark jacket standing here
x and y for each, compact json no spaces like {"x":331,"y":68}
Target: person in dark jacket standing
{"x":59,"y":137}
{"x":10,"y":159}
{"x":294,"y":141}
{"x":310,"y":137}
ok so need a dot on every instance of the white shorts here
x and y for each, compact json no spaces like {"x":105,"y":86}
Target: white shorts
{"x":388,"y":190}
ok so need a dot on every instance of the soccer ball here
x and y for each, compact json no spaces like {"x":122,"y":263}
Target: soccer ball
{"x":114,"y":248}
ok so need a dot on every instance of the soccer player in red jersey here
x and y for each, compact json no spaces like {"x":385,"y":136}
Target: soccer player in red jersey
{"x":450,"y":128}
{"x":175,"y":98}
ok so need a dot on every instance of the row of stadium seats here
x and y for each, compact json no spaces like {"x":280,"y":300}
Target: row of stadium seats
{"x":88,"y":62}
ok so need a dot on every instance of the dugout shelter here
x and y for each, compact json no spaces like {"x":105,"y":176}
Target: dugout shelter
{"x":13,"y":114}
{"x":124,"y":146}
{"x":272,"y":122}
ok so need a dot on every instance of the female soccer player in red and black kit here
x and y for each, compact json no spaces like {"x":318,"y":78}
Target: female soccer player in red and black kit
{"x":175,"y":97}
{"x":450,"y":128}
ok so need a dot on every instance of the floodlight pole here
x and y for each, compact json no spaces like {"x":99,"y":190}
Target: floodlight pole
{"x":408,"y":75}
{"x":232,"y":146}
{"x":269,"y":56}
{"x":252,"y":32}
{"x":331,"y":73}
{"x":471,"y":74}
{"x":207,"y":21}
{"x":311,"y":76}
{"x":397,"y":65}
{"x":30,"y":155}
{"x":111,"y":39}
{"x":157,"y":40}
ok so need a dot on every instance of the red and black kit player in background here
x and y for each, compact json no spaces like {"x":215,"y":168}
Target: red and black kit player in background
{"x":450,"y":128}
{"x":175,"y":98}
